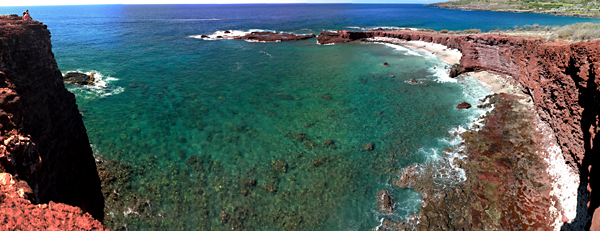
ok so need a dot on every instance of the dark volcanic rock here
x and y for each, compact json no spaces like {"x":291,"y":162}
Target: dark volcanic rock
{"x":44,"y":134}
{"x":330,"y":38}
{"x":273,"y":37}
{"x":384,"y":202}
{"x":79,"y":78}
{"x":463,"y":105}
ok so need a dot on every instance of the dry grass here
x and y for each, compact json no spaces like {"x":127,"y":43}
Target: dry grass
{"x":577,"y":32}
{"x":569,"y":33}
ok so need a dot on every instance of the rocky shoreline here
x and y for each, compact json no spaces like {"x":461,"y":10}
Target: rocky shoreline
{"x":552,"y":77}
{"x":507,"y":180}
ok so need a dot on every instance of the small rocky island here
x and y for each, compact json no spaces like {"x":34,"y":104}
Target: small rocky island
{"x":79,"y":78}
{"x":259,"y":36}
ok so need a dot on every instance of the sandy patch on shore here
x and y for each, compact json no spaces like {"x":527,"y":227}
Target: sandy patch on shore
{"x":451,"y":56}
{"x":498,"y":83}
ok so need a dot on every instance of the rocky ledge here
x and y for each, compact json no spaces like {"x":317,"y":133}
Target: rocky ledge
{"x":273,"y":37}
{"x":48,"y":177}
{"x":562,"y":80}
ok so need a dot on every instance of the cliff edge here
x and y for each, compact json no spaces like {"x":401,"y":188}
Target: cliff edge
{"x":45,"y":156}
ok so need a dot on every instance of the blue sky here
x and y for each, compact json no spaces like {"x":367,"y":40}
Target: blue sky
{"x":90,"y":2}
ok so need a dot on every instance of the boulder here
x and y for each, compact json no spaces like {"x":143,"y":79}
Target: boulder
{"x":79,"y":78}
{"x":384,"y":202}
{"x":463,"y":105}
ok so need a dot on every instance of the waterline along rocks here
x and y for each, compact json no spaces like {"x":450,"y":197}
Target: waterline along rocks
{"x":45,"y":156}
{"x":562,"y":79}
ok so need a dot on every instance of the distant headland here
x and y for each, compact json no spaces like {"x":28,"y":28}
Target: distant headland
{"x":559,"y":8}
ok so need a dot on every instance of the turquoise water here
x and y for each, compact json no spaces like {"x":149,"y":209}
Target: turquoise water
{"x":228,"y":134}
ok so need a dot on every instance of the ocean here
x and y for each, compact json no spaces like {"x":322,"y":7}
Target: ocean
{"x":229,"y":134}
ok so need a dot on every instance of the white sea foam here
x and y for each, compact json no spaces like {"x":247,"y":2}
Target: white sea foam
{"x":197,"y":19}
{"x":232,"y":34}
{"x":566,"y":181}
{"x":101,"y":88}
{"x":442,"y":73}
{"x":406,"y":50}
{"x":387,"y":28}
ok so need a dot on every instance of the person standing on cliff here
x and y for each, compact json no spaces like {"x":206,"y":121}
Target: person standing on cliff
{"x":26,"y":16}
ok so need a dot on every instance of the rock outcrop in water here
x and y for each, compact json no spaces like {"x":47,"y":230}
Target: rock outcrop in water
{"x":273,"y":37}
{"x":79,"y":78}
{"x":45,"y":156}
{"x":265,"y":36}
{"x":563,"y":80}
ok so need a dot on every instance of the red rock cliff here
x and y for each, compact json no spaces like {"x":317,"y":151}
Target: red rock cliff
{"x":563,"y":80}
{"x":45,"y":156}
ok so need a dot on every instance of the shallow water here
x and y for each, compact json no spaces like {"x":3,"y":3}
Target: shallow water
{"x":230,"y":134}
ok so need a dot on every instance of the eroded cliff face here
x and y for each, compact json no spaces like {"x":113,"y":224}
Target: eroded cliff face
{"x":45,"y":154}
{"x":562,"y":79}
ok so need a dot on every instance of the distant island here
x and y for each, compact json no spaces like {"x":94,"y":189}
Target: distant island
{"x":584,"y":8}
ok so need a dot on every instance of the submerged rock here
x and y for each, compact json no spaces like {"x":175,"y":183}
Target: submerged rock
{"x":329,"y":143}
{"x":280,"y":166}
{"x":310,"y":144}
{"x":300,"y":136}
{"x":326,"y":96}
{"x":369,"y":146}
{"x":318,"y":161}
{"x":270,"y":188}
{"x":79,"y":78}
{"x":224,"y":216}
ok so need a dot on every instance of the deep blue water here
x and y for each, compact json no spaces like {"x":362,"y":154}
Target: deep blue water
{"x":198,"y":120}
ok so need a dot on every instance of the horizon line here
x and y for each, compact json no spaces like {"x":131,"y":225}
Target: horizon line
{"x":257,"y":3}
